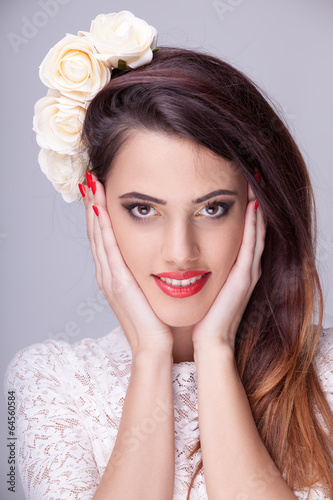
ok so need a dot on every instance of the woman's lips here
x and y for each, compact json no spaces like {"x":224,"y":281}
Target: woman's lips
{"x":177,"y":275}
{"x":181,"y":292}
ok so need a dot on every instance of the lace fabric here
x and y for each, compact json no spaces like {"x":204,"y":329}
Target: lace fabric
{"x":69,"y":401}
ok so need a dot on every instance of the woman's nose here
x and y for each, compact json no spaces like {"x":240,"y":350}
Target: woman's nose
{"x":180,"y":246}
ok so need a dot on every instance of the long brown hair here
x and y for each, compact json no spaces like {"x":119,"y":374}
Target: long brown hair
{"x":197,"y":96}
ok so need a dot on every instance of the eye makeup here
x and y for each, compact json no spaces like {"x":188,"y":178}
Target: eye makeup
{"x":225,"y":206}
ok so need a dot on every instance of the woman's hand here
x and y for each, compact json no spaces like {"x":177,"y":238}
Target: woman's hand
{"x":143,"y":329}
{"x":221,"y":322}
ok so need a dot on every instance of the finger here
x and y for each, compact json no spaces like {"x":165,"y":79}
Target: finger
{"x":260,"y":243}
{"x":88,"y":202}
{"x":247,"y":250}
{"x":260,"y":237}
{"x":107,"y":246}
{"x":250,"y":193}
{"x":111,"y":248}
{"x":104,"y":273}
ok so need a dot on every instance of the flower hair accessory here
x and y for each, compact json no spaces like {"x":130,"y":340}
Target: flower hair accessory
{"x":75,"y":70}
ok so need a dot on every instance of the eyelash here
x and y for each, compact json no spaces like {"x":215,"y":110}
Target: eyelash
{"x":225,"y":206}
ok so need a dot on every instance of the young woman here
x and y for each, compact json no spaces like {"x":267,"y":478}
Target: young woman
{"x":217,"y":383}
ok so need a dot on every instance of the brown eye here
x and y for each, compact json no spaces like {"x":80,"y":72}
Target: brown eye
{"x":215,"y":210}
{"x":212,"y":209}
{"x":143,"y":209}
{"x":141,"y":212}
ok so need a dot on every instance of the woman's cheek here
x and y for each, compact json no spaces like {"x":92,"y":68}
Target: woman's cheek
{"x":227,"y":246}
{"x":134,"y":245}
{"x":123,"y":235}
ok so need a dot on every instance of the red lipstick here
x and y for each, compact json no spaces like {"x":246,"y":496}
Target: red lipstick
{"x":177,"y":275}
{"x":181,"y":292}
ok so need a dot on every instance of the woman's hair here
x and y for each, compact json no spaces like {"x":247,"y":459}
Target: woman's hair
{"x":194,"y":95}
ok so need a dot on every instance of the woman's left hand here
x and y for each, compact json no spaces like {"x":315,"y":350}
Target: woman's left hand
{"x":221,"y":322}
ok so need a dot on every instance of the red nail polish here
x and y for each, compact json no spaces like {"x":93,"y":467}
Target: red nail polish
{"x":257,"y":175}
{"x":256,"y":204}
{"x":89,"y":179}
{"x":93,"y":186}
{"x":82,"y":189}
{"x":95,"y":210}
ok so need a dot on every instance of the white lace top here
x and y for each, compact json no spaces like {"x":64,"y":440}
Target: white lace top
{"x":69,"y":401}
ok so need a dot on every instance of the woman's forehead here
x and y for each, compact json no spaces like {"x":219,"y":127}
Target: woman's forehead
{"x":157,"y":157}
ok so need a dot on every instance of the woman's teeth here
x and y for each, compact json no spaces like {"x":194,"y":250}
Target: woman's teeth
{"x":181,"y":282}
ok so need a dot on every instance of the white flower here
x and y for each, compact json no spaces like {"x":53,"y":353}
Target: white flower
{"x":122,"y":36}
{"x":75,"y":70}
{"x":72,"y":68}
{"x":64,"y":171}
{"x":58,"y":123}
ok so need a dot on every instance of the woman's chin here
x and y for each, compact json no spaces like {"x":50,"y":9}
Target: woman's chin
{"x":180,"y":319}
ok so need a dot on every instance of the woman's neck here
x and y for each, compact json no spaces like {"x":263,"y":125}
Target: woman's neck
{"x":183,"y":345}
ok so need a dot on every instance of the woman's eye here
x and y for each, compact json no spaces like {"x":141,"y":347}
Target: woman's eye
{"x":215,"y":209}
{"x":141,"y":211}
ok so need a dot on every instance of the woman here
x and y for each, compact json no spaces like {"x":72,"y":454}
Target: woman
{"x":216,"y":384}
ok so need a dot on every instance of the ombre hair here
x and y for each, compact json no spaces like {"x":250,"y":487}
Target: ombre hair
{"x":196,"y":96}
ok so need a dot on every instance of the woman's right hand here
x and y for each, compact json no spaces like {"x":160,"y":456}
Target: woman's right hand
{"x":143,"y":329}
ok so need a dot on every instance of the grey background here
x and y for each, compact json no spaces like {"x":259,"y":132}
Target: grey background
{"x":48,"y":286}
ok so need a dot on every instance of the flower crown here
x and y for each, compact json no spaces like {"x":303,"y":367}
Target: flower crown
{"x":74,"y":71}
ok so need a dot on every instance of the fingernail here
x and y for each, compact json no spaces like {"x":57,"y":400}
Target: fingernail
{"x":95,"y":210}
{"x":257,"y":177}
{"x":82,"y":189}
{"x":93,"y":186}
{"x":89,"y":179}
{"x":256,"y":204}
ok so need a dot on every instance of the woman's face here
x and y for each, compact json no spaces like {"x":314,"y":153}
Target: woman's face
{"x":178,"y":232}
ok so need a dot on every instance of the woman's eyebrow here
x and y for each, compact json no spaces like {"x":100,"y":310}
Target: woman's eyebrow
{"x":146,"y":197}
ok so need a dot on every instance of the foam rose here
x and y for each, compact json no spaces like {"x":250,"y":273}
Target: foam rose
{"x":122,"y":36}
{"x":72,"y":68}
{"x":64,"y":172}
{"x":58,"y":123}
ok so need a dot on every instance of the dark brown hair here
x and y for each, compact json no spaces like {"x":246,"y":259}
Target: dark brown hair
{"x":196,"y":96}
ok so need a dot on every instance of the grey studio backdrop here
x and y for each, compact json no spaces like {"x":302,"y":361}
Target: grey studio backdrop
{"x":48,"y":287}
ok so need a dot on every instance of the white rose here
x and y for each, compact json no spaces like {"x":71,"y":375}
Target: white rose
{"x":72,"y":68}
{"x":58,"y":123}
{"x":64,"y":171}
{"x":122,"y":36}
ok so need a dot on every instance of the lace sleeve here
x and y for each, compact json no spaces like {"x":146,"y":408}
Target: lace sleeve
{"x":54,"y":451}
